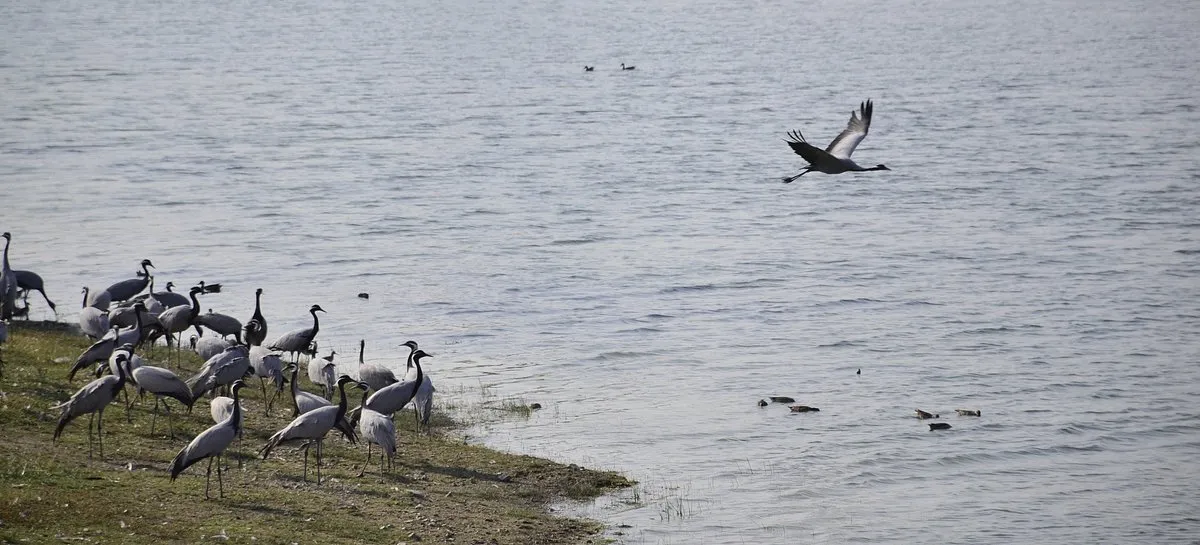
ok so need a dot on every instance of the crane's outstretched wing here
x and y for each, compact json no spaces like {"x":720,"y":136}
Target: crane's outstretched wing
{"x":810,"y":153}
{"x":856,"y":130}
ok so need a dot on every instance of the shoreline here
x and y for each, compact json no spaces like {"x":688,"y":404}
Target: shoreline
{"x":441,"y":489}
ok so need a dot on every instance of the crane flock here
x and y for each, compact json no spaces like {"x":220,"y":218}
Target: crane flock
{"x":232,"y":353}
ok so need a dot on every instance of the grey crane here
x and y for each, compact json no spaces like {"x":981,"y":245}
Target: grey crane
{"x":311,"y":427}
{"x":222,"y":369}
{"x":126,"y":289}
{"x":30,"y":281}
{"x":267,"y":365}
{"x":92,"y":321}
{"x":159,"y":301}
{"x":177,"y":319}
{"x":136,"y":334}
{"x":423,"y":401}
{"x":223,"y":324}
{"x":298,"y":340}
{"x":8,"y":283}
{"x":220,"y":408}
{"x":99,"y":351}
{"x":378,"y":428}
{"x":211,"y":444}
{"x":306,"y":402}
{"x":91,"y":400}
{"x":377,"y":377}
{"x":210,"y":346}
{"x":835,"y":159}
{"x":162,"y":383}
{"x":255,"y":331}
{"x":99,"y":299}
{"x":321,"y":372}
{"x":395,"y":397}
{"x":303,"y":401}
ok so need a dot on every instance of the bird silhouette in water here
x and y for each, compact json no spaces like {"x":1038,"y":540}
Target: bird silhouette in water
{"x":623,"y":67}
{"x":835,"y":159}
{"x":587,"y":68}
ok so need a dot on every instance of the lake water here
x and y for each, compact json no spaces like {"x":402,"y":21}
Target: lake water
{"x":616,"y":245}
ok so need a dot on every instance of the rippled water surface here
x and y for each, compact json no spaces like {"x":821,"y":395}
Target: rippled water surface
{"x":617,"y":246}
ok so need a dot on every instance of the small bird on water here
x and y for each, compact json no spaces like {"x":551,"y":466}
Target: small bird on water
{"x":923,"y":415}
{"x":804,"y":409}
{"x":967,"y":412}
{"x":762,"y":403}
{"x":835,"y":159}
{"x":782,"y":399}
{"x":939,"y":426}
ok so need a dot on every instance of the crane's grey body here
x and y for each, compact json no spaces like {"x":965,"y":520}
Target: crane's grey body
{"x":393,"y":398}
{"x":221,"y":407}
{"x":98,"y":299}
{"x":299,"y":340}
{"x":311,"y":427}
{"x":835,"y":159}
{"x":92,"y":399}
{"x":162,"y":383}
{"x":127,"y":289}
{"x":304,"y":401}
{"x":377,"y":377}
{"x":210,"y":346}
{"x":223,"y":324}
{"x":93,"y":322}
{"x":267,"y":365}
{"x":211,"y":444}
{"x":8,"y":284}
{"x":221,"y":370}
{"x":30,"y":281}
{"x":321,"y":373}
{"x":375,"y":427}
{"x":99,"y":351}
{"x":255,"y":331}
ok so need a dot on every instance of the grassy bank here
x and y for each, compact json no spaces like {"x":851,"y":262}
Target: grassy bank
{"x":440,"y":491}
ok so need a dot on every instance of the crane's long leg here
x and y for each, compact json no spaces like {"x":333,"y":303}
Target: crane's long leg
{"x":91,"y":422}
{"x":208,"y":478}
{"x":100,"y":430}
{"x":319,"y":462}
{"x":367,"y":462}
{"x":154,"y":418}
{"x":170,"y":418}
{"x":220,"y":484}
{"x":790,"y":179}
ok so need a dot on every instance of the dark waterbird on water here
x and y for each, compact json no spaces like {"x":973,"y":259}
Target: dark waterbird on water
{"x":623,"y":67}
{"x":923,"y":415}
{"x":587,"y":68}
{"x":939,"y":426}
{"x":835,"y":159}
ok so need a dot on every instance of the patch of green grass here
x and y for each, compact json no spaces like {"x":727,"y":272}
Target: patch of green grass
{"x":441,"y":489}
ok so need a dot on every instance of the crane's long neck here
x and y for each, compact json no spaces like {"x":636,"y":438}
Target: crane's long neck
{"x":295,"y":384}
{"x":85,"y":297}
{"x":258,"y":305}
{"x":236,"y":415}
{"x":341,"y":412}
{"x":316,"y":323}
{"x":5,"y":266}
{"x":362,"y":345}
{"x":420,"y":374}
{"x":195,"y":306}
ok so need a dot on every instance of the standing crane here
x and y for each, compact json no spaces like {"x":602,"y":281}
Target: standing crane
{"x":298,"y":340}
{"x":311,"y":427}
{"x":211,"y":444}
{"x":8,"y":283}
{"x":255,"y":331}
{"x":91,"y":400}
